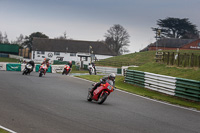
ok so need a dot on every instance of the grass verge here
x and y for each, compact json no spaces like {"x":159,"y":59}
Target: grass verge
{"x":5,"y":59}
{"x":188,"y":73}
{"x":3,"y":131}
{"x":145,"y":92}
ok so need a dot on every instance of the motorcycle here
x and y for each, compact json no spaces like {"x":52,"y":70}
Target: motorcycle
{"x":101,"y":93}
{"x":42,"y":70}
{"x":27,"y":69}
{"x":66,"y":70}
{"x":91,"y":70}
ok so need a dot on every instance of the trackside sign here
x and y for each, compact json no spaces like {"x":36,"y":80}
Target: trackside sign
{"x":13,"y":67}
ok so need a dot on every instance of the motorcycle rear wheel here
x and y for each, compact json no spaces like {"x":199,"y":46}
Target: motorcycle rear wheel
{"x":102,"y":98}
{"x":89,"y":97}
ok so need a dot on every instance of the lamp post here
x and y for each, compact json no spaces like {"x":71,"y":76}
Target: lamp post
{"x":90,"y":47}
{"x":158,"y":33}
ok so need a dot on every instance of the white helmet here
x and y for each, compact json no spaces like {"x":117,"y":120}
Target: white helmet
{"x":112,"y":76}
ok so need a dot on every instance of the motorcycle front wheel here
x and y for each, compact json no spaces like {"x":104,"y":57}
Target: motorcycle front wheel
{"x":40,"y":74}
{"x":89,"y":97}
{"x":102,"y":98}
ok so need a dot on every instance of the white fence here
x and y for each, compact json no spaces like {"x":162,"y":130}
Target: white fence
{"x":161,"y":83}
{"x":106,"y":70}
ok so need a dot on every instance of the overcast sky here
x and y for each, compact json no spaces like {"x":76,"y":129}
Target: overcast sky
{"x":90,"y":19}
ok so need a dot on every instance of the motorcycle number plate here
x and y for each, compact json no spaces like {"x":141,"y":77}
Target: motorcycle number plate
{"x":109,"y":87}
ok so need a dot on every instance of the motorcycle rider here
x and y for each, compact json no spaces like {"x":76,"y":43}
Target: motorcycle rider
{"x":70,"y":65}
{"x":93,"y":65}
{"x":32,"y":64}
{"x":46,"y":61}
{"x":109,"y":78}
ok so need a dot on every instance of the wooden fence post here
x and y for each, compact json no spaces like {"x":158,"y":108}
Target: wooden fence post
{"x":172,"y":60}
{"x":199,"y":61}
{"x":178,"y":59}
{"x":192,"y":60}
{"x":185,"y":59}
{"x":168,"y":58}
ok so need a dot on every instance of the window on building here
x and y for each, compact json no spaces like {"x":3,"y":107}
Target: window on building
{"x":72,"y":54}
{"x":56,"y":53}
{"x":40,"y":52}
{"x":85,"y":58}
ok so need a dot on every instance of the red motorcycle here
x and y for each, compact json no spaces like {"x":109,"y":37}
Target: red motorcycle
{"x":42,"y":70}
{"x":101,"y":93}
{"x":66,"y":70}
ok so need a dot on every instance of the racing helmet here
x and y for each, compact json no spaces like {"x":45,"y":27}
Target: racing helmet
{"x":112,"y":76}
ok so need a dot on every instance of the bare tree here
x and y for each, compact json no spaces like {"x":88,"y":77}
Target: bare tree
{"x":5,"y":38}
{"x":20,"y":40}
{"x":117,"y":39}
{"x":64,"y":37}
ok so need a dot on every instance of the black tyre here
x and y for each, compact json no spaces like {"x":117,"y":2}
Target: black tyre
{"x":102,"y":98}
{"x":63,"y":72}
{"x":89,"y":97}
{"x":24,"y":72}
{"x":41,"y":72}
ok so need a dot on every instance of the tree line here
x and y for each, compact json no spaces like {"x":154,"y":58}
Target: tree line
{"x":117,"y":37}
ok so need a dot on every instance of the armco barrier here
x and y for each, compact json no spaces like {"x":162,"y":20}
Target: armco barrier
{"x":135,"y":77}
{"x":161,"y":83}
{"x":189,"y":89}
{"x":185,"y":88}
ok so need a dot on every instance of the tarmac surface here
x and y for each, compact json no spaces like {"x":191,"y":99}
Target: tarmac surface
{"x":58,"y":103}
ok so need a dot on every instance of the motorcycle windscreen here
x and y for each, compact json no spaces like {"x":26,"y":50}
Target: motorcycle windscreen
{"x":110,"y":82}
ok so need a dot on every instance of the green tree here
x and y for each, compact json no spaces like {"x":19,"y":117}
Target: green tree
{"x":177,"y":28}
{"x":28,"y":43}
{"x":117,"y":38}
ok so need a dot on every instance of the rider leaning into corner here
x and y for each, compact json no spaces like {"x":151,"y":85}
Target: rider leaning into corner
{"x":110,"y":79}
{"x":32,"y":64}
{"x":46,"y":61}
{"x":70,"y":65}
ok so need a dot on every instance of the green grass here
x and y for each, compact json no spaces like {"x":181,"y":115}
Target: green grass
{"x":138,"y":59}
{"x":5,"y":59}
{"x":188,"y":73}
{"x":3,"y":131}
{"x":145,"y":92}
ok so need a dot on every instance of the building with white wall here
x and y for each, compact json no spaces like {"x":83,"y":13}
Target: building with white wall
{"x":70,"y":50}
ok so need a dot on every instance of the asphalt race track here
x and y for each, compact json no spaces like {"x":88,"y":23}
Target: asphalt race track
{"x":57,"y":103}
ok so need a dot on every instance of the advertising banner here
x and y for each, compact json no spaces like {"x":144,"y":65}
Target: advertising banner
{"x":57,"y":68}
{"x":37,"y":67}
{"x":13,"y":67}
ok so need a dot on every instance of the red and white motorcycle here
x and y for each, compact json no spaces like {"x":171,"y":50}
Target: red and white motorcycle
{"x":66,"y":70}
{"x":42,"y":70}
{"x":101,"y":93}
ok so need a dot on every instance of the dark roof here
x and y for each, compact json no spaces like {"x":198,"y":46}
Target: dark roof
{"x":172,"y":42}
{"x":71,"y":46}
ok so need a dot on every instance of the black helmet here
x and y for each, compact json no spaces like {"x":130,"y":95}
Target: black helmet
{"x":112,"y":76}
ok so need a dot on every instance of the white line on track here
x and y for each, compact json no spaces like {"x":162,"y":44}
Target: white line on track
{"x":7,"y":129}
{"x":191,"y":109}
